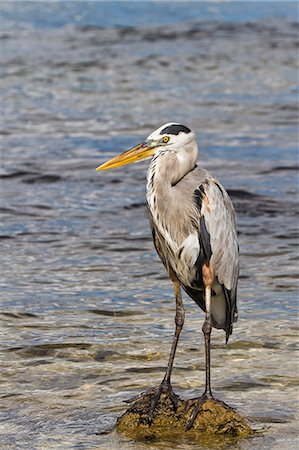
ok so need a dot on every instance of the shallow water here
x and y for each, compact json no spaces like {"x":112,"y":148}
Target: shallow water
{"x":86,"y":307}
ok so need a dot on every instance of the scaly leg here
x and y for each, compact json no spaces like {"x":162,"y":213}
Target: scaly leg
{"x":207,"y":277}
{"x":207,"y":329}
{"x":165,"y":386}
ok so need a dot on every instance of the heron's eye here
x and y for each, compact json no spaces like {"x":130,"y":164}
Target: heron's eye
{"x":165,"y":139}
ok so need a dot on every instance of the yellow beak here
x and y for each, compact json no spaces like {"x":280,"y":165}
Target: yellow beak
{"x":140,"y":151}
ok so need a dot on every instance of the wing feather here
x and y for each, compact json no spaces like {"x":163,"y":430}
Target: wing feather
{"x":218,"y":215}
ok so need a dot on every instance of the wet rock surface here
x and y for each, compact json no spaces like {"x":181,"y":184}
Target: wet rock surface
{"x":215,"y":423}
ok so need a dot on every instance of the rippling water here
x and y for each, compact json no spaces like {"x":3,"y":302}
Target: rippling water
{"x":85,"y":302}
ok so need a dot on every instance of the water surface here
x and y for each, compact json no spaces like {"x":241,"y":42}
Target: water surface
{"x":86,"y":308}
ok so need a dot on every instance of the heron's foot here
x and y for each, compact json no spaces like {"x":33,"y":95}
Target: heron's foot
{"x":154,"y":395}
{"x":164,"y":388}
{"x":197,"y":404}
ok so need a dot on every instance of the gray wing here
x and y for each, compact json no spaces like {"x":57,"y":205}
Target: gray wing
{"x":219,"y":242}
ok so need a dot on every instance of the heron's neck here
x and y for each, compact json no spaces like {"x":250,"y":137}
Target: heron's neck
{"x":169,"y":167}
{"x":165,"y":171}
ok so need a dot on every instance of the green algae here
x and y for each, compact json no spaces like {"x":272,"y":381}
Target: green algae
{"x":215,"y":425}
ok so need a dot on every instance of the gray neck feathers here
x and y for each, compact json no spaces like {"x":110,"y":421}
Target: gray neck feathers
{"x":169,"y":167}
{"x":165,"y":171}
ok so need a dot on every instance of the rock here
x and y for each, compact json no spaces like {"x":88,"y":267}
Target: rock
{"x":214,"y":425}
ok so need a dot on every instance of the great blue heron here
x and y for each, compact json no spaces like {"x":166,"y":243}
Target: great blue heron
{"x":194,"y":232}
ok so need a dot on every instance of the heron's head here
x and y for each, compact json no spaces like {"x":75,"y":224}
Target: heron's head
{"x":171,"y":136}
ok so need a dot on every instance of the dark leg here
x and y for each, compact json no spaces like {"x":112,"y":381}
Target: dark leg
{"x":207,"y":395}
{"x":179,"y":322}
{"x":207,"y":328}
{"x":165,"y":386}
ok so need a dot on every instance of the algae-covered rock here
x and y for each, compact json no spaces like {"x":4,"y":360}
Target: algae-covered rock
{"x":214,"y":421}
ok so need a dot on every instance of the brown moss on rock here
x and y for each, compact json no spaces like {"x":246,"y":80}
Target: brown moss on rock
{"x":214,"y":425}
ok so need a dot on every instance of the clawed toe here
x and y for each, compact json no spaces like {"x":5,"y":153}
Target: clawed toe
{"x":225,"y":405}
{"x":197,"y":403}
{"x":141,"y":395}
{"x":197,"y":406}
{"x":154,"y":395}
{"x":187,"y":405}
{"x":164,"y":388}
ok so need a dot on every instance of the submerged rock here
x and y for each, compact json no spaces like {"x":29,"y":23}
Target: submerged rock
{"x":214,"y":425}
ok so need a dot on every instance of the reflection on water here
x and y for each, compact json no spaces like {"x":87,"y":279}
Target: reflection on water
{"x":85,"y":302}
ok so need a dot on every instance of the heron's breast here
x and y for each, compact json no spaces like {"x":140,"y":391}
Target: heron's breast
{"x":176,"y":220}
{"x":180,"y":245}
